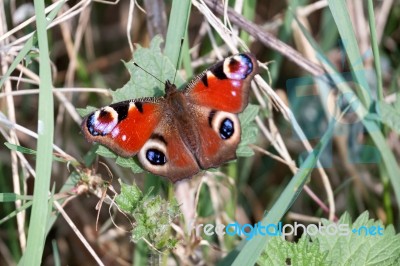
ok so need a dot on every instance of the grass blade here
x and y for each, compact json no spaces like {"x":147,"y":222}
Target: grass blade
{"x":343,"y":22}
{"x":40,"y":206}
{"x":375,"y":48}
{"x":177,"y":25}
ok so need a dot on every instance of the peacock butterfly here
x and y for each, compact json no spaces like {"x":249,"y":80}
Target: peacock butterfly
{"x":184,"y":131}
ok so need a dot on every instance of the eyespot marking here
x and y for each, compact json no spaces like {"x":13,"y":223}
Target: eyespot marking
{"x":153,"y":155}
{"x":227,"y":126}
{"x":156,"y":157}
{"x":90,"y":126}
{"x":238,"y":67}
{"x":102,"y":122}
{"x":226,"y":129}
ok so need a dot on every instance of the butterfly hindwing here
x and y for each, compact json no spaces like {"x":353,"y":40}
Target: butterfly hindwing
{"x":219,"y":136}
{"x":165,"y":153}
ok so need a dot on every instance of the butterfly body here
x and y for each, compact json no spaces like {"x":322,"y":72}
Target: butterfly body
{"x":184,"y":131}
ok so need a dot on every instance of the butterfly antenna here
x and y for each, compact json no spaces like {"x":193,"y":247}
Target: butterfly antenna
{"x":147,"y":72}
{"x":179,"y":59}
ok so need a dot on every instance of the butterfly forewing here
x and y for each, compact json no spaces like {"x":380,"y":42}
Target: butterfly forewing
{"x":124,"y":127}
{"x":224,"y":86}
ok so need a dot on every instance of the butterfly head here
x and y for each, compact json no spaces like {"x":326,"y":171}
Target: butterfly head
{"x":170,"y":88}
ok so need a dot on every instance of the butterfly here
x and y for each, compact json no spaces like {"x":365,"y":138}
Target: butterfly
{"x":185,"y":131}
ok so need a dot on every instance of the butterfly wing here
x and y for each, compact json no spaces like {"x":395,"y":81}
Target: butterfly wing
{"x":165,"y":153}
{"x":219,"y":133}
{"x":224,"y":86}
{"x":123,"y":127}
{"x":148,"y":127}
{"x":142,"y":127}
{"x":217,"y":95}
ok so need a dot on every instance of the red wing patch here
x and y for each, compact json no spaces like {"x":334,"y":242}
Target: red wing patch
{"x":123,"y":127}
{"x":225,"y":86}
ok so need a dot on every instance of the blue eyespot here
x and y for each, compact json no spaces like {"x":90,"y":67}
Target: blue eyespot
{"x":156,"y":157}
{"x":226,"y":129}
{"x":249,"y":64}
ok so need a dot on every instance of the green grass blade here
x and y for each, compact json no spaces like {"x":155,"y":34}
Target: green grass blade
{"x":375,"y":48}
{"x":177,"y":26}
{"x":56,"y":253}
{"x":186,"y":57}
{"x":249,"y":12}
{"x":15,"y":212}
{"x":343,"y":23}
{"x":39,"y":217}
{"x":12,"y":197}
{"x":33,"y":152}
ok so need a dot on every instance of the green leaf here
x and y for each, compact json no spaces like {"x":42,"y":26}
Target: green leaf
{"x":346,"y":31}
{"x":244,"y":151}
{"x":139,"y":232}
{"x":105,"y":152}
{"x":142,"y":84}
{"x":360,"y":247}
{"x":249,"y":114}
{"x":129,"y":198}
{"x":14,"y":213}
{"x":304,"y":252}
{"x":389,"y":115}
{"x":249,"y":130}
{"x":86,"y":111}
{"x":33,"y":152}
{"x":153,"y":216}
{"x":124,"y":162}
{"x":11,"y":197}
{"x":129,"y":163}
{"x":19,"y":148}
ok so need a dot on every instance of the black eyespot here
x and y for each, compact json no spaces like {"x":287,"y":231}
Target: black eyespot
{"x":226,"y":129}
{"x":90,"y":126}
{"x":156,"y":157}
